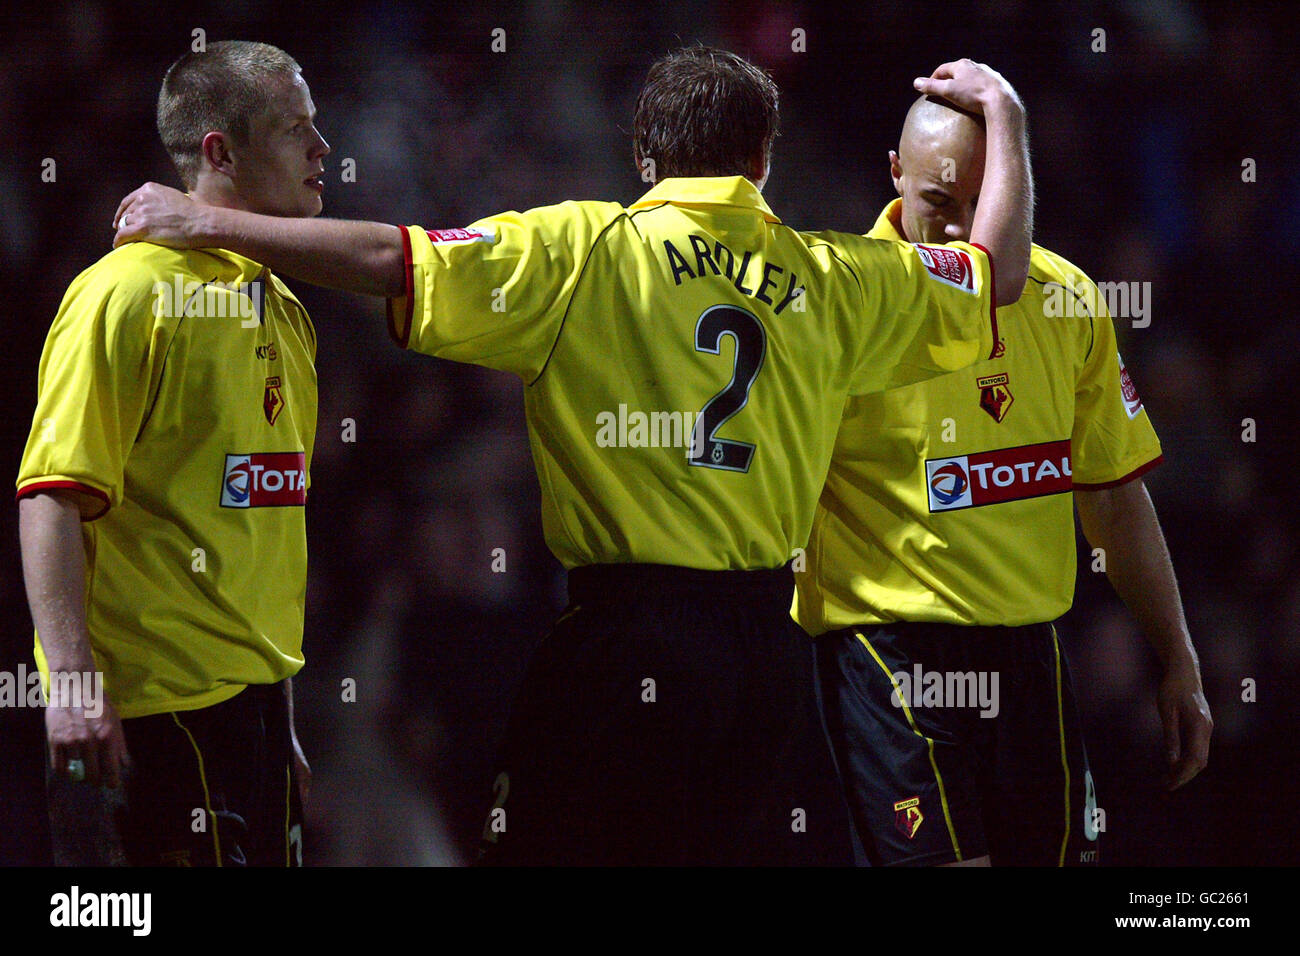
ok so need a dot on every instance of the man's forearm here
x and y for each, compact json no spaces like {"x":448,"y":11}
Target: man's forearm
{"x":54,"y":571}
{"x":365,"y":257}
{"x":1004,"y":218}
{"x":1122,"y":522}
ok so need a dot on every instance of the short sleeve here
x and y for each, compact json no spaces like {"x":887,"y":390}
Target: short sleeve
{"x":1113,"y":440}
{"x":495,"y":293}
{"x":101,"y":363}
{"x":934,"y":308}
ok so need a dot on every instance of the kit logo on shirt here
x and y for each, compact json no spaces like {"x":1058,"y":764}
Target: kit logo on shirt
{"x":995,"y":394}
{"x":950,"y":266}
{"x":268,"y":479}
{"x":991,"y":477}
{"x":1132,"y":401}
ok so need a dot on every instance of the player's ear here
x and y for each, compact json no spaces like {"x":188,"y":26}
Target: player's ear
{"x":216,"y":154}
{"x":645,"y":169}
{"x":896,"y":172}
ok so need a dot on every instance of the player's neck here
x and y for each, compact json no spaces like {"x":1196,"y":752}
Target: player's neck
{"x":896,"y":217}
{"x":218,"y":193}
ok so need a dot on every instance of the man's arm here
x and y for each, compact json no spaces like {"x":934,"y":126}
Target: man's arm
{"x":1122,"y":522}
{"x":1004,"y":218}
{"x":54,"y":570}
{"x":365,"y":257}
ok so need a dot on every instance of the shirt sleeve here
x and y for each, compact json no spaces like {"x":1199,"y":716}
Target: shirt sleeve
{"x":496,"y":292}
{"x":1113,"y":440}
{"x":100,"y":366}
{"x":935,"y":312}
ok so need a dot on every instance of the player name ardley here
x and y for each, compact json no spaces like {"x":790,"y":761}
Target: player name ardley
{"x":639,"y":429}
{"x":923,"y":688}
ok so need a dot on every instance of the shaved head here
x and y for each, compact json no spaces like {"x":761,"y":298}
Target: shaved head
{"x":938,"y":170}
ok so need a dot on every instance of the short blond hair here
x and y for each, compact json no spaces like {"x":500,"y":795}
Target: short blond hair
{"x":221,"y":88}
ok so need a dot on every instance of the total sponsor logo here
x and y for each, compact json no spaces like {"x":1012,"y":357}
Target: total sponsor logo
{"x":950,"y":266}
{"x":991,"y":477}
{"x":273,"y":479}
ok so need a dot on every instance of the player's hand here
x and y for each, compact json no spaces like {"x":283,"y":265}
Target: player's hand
{"x":971,"y":86}
{"x":158,"y":214}
{"x":303,"y":772}
{"x":98,"y":743}
{"x":1186,"y":719}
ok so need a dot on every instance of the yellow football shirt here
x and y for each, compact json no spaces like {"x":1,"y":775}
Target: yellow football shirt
{"x":950,"y":500}
{"x":687,"y":358}
{"x":177,"y":404}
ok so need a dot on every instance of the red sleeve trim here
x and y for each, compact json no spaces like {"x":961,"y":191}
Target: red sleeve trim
{"x":993,"y":298}
{"x":1135,"y":473}
{"x":34,"y":487}
{"x":408,"y":295}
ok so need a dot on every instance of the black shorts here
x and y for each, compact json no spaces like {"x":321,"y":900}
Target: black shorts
{"x":955,"y":742}
{"x":669,"y":718}
{"x":210,"y":787}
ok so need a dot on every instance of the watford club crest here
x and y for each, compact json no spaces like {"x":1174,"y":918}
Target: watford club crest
{"x":908,"y":817}
{"x":995,"y":396}
{"x":273,"y":399}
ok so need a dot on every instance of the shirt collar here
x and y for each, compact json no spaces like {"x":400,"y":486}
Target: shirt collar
{"x":699,"y":191}
{"x":247,"y":269}
{"x":889,"y":223}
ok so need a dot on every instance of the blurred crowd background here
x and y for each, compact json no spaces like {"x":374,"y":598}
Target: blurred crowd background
{"x":1138,"y":158}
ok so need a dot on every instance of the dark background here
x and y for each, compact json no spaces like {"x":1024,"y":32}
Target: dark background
{"x":1138,"y":156}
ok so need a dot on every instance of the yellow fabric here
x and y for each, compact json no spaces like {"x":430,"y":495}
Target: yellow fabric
{"x":159,"y":367}
{"x":879,"y":553}
{"x":627,"y":323}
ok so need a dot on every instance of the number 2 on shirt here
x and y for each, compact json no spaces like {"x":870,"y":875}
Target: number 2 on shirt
{"x":707,"y":450}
